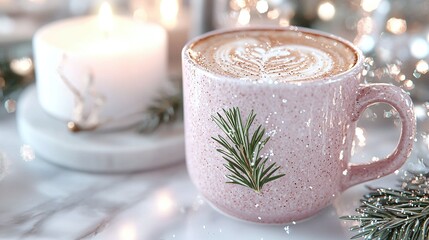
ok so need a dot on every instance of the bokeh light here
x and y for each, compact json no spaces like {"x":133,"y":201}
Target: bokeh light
{"x":27,"y":153}
{"x":164,"y":202}
{"x":262,"y":6}
{"x":419,"y":47}
{"x":396,"y":25}
{"x":243,"y":17}
{"x":22,"y":66}
{"x":370,"y":5}
{"x":128,"y":231}
{"x":422,"y":67}
{"x":326,"y":11}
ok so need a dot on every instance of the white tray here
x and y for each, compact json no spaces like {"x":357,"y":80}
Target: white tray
{"x":118,"y":151}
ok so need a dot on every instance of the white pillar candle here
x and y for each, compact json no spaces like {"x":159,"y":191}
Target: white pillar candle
{"x":127,"y":60}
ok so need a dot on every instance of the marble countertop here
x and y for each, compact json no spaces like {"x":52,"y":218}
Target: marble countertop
{"x":39,"y":200}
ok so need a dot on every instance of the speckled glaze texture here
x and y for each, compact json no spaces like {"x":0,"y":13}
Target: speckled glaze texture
{"x":311,"y":124}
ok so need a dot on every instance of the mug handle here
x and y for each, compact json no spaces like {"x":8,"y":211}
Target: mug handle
{"x":398,"y":99}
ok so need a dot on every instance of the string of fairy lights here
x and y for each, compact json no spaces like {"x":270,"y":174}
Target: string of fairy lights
{"x":393,"y":36}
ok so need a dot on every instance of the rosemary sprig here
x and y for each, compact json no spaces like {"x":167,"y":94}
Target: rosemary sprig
{"x":387,"y":214}
{"x":242,"y":152}
{"x":163,"y":110}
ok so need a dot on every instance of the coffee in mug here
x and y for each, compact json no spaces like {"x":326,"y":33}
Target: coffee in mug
{"x":272,"y":55}
{"x":270,"y":116}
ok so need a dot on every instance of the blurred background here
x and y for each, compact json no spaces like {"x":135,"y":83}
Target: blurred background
{"x":393,"y":34}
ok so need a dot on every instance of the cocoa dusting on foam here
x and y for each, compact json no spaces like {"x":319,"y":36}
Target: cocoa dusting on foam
{"x":273,"y":55}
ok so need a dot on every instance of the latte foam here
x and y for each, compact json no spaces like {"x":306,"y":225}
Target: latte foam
{"x":272,"y":55}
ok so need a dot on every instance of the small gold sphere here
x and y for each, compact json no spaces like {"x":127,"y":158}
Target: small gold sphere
{"x":73,"y":127}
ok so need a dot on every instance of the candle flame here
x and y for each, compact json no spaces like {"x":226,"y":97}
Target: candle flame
{"x":169,"y":10}
{"x":105,"y":18}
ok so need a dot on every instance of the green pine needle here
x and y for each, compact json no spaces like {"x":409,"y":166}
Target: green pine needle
{"x":164,"y":110}
{"x":394,"y":214}
{"x":242,"y":152}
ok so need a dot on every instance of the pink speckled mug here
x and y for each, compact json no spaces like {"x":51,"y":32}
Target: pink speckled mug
{"x":304,"y":88}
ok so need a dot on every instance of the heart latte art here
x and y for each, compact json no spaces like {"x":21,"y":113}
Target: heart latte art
{"x":272,"y":55}
{"x":250,"y":58}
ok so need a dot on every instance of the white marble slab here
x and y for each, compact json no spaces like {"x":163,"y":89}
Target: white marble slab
{"x":42,"y":201}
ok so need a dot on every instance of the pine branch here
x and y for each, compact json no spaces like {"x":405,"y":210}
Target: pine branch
{"x":164,"y":110}
{"x":242,"y":151}
{"x":387,"y":214}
